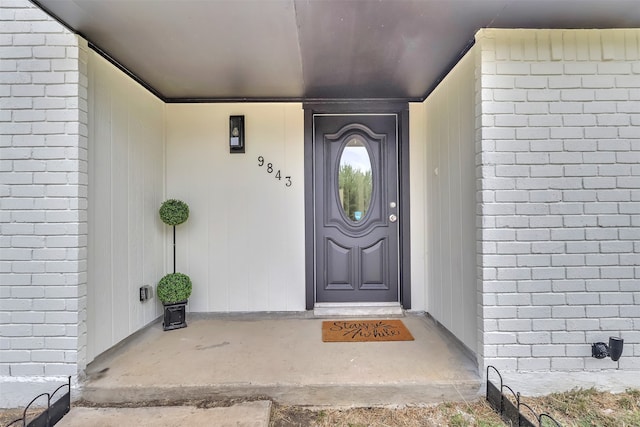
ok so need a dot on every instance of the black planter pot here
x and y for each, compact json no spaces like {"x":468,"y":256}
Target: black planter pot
{"x":175,"y":316}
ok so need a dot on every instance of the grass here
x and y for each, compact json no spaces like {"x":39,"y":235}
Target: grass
{"x":593,"y":408}
{"x":447,"y":414}
{"x":576,"y":408}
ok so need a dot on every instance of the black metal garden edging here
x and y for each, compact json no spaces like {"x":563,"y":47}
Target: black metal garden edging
{"x":510,"y":411}
{"x":51,"y":414}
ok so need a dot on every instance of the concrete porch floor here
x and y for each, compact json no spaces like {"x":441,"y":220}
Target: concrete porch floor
{"x":282,"y":357}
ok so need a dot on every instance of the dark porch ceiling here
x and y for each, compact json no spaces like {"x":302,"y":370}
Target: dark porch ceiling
{"x":309,"y":49}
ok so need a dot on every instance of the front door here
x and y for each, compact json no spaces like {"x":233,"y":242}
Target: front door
{"x":356,"y":207}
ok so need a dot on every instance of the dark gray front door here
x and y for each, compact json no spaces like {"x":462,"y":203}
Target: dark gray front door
{"x":356,"y":207}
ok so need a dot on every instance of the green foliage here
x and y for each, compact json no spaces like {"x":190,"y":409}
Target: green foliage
{"x":632,"y":419}
{"x":458,"y":420}
{"x":174,"y":287}
{"x":355,"y":190}
{"x":174,"y":212}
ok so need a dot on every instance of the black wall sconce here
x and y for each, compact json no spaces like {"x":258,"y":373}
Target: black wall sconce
{"x":236,"y":134}
{"x":600,"y":350}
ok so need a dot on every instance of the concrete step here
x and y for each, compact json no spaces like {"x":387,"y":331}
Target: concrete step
{"x":283,"y":359}
{"x":248,"y":414}
{"x":337,"y":395}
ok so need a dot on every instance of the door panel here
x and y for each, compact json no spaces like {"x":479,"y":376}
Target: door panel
{"x":339,"y":266}
{"x":372,"y":262}
{"x":356,"y":191}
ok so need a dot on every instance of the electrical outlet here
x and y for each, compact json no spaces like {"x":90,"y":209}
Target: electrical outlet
{"x":146,"y":292}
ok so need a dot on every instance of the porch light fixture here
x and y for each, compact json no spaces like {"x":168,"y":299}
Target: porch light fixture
{"x":600,"y":350}
{"x":236,"y":134}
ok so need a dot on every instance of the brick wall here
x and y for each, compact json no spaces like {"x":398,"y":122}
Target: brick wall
{"x":43,"y":178}
{"x":559,"y":197}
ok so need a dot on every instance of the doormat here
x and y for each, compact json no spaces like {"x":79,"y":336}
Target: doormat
{"x":365,"y":330}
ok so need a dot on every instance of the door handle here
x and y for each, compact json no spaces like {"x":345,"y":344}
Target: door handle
{"x":393,"y":218}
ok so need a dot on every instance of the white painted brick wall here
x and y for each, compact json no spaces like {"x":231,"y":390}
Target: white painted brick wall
{"x":43,"y":152}
{"x":558,"y":169}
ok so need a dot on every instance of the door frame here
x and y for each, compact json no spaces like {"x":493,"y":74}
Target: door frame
{"x":401,"y":110}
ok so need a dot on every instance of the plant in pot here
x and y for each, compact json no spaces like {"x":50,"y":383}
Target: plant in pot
{"x":174,"y":289}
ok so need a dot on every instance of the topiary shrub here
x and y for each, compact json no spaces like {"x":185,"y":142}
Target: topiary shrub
{"x":174,"y":212}
{"x":174,"y":287}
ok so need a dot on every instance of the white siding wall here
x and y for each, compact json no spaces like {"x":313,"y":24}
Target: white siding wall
{"x":450,"y":236}
{"x":243,"y":245}
{"x":560,"y":202}
{"x":126,"y":183}
{"x":418,"y":197}
{"x":43,"y":176}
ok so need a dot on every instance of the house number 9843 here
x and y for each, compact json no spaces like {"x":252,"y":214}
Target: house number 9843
{"x":271,"y":169}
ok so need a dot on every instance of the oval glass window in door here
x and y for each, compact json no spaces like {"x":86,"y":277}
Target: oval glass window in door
{"x":355,"y":183}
